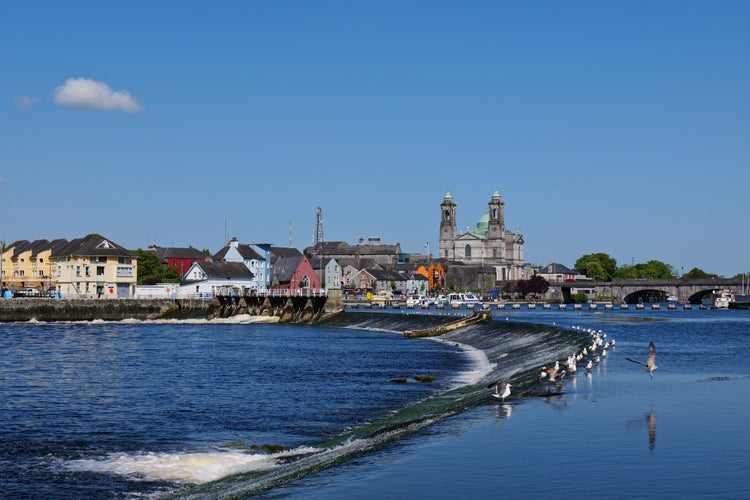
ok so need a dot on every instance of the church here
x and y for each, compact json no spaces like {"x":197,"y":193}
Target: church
{"x":489,"y":244}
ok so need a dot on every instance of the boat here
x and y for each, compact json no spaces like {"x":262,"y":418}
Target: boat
{"x":414,"y":301}
{"x":722,"y":299}
{"x":441,"y":301}
{"x":467,"y":300}
{"x":383,"y":299}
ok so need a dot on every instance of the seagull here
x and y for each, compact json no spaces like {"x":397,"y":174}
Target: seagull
{"x":555,"y":376}
{"x":589,"y":365}
{"x":502,"y":390}
{"x":650,"y":363}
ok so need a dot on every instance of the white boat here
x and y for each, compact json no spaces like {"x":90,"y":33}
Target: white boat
{"x":467,"y":300}
{"x":383,"y":299}
{"x":722,"y":299}
{"x":441,"y":301}
{"x":414,"y":301}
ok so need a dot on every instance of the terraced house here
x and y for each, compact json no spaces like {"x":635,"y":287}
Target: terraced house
{"x":28,"y":265}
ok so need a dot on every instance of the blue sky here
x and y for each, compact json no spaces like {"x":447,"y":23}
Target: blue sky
{"x":615,"y":127}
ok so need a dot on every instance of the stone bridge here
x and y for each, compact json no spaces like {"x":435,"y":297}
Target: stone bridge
{"x":687,"y":291}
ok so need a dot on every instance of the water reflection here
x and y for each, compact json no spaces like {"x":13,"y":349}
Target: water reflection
{"x":557,"y":400}
{"x":504,"y":410}
{"x":651,"y":422}
{"x":636,"y":424}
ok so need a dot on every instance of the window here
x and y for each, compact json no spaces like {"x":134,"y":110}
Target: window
{"x":88,"y":272}
{"x":467,"y":251}
{"x":124,"y":271}
{"x":78,"y":271}
{"x":100,"y":270}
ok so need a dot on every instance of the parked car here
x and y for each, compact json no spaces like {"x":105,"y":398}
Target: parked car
{"x":28,"y":292}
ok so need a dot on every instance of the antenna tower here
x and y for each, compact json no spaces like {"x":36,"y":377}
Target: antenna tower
{"x":290,"y":234}
{"x":318,"y":234}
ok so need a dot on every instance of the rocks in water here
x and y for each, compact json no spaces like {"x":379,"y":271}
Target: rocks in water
{"x":424,"y":378}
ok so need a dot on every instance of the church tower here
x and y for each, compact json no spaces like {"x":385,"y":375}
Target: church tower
{"x":496,"y":223}
{"x":448,"y":230}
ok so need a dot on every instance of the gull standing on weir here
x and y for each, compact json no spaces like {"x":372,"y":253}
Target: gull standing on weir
{"x":502,"y":390}
{"x":650,"y":363}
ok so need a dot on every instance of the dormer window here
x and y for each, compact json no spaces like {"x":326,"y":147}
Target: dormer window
{"x":105,"y":244}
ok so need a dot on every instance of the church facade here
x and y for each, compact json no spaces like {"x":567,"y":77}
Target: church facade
{"x":488,"y":244}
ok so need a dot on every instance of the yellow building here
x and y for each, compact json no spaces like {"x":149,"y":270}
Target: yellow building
{"x":95,"y":267}
{"x":27,"y":264}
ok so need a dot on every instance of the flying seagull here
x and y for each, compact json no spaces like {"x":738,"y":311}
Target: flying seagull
{"x":650,"y":363}
{"x":502,"y":390}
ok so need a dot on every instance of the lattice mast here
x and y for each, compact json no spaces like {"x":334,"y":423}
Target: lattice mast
{"x":318,"y":233}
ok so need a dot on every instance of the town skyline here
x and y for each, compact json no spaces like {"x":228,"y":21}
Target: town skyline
{"x":605,"y":128}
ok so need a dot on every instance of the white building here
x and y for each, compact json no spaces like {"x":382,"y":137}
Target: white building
{"x":207,"y":279}
{"x":259,"y":265}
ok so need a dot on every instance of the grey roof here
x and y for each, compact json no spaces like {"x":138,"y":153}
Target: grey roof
{"x":277,"y":252}
{"x":246,"y":252}
{"x":92,"y":245}
{"x":321,"y":263}
{"x":385,"y":275}
{"x":343,"y":248}
{"x":165,"y":253}
{"x":19,"y":247}
{"x":284,"y":268}
{"x":36,"y":246}
{"x":220,"y":269}
{"x":556,"y":269}
{"x":326,"y":248}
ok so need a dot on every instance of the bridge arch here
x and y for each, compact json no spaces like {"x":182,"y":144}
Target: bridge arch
{"x":697,"y":297}
{"x":646,"y":294}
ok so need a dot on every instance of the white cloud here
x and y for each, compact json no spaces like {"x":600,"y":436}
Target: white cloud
{"x":25,"y":100}
{"x":87,"y":93}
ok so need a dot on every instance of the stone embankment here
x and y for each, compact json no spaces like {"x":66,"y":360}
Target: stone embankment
{"x":18,"y":310}
{"x":288,"y":310}
{"x":436,"y":331}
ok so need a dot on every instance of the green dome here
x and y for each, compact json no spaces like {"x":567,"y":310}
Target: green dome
{"x":482,"y":226}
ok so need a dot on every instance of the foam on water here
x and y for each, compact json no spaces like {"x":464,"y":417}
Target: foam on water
{"x":183,"y":468}
{"x":481,"y":365}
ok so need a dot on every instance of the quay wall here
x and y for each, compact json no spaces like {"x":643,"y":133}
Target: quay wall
{"x":289,"y":309}
{"x":18,"y":310}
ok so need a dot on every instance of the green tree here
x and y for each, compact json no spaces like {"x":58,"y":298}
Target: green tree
{"x":653,"y":269}
{"x":151,"y":270}
{"x":597,"y":266}
{"x":696,"y":273}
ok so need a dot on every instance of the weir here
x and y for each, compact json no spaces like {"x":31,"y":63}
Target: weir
{"x":515,"y":352}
